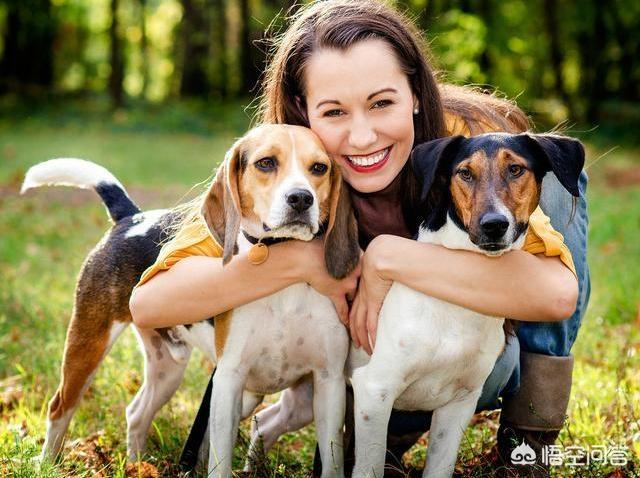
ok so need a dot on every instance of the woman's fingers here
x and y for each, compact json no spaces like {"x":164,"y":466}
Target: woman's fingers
{"x":352,"y":282}
{"x":342,"y":308}
{"x":360,"y":324}
{"x":372,"y":326}
{"x":353,"y":319}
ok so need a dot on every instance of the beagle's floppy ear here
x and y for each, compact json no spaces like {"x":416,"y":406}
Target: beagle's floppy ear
{"x":221,"y":206}
{"x":560,"y":154}
{"x":341,"y":248}
{"x":428,"y":158}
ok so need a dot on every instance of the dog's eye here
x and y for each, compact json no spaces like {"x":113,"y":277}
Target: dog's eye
{"x":319,"y":168}
{"x":465,"y":174}
{"x":516,"y":170}
{"x":266,"y":164}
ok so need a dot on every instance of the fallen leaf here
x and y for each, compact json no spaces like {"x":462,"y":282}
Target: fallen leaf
{"x":141,"y":469}
{"x":617,"y":473}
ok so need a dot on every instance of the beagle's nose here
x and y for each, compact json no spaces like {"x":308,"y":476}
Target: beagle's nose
{"x":494,"y":225}
{"x":299,"y":199}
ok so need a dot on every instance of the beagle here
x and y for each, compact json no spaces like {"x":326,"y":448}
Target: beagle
{"x":431,"y":355}
{"x":276,"y":183}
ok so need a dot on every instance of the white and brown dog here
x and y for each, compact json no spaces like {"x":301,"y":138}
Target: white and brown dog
{"x":276,"y":182}
{"x":430,"y":355}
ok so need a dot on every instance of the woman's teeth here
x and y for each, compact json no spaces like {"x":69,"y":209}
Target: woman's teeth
{"x":368,"y":160}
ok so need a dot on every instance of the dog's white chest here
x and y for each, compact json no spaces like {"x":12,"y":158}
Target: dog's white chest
{"x":277,"y":340}
{"x":445,"y":351}
{"x":435,"y":351}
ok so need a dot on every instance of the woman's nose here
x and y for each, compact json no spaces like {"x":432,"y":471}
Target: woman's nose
{"x":362,"y":133}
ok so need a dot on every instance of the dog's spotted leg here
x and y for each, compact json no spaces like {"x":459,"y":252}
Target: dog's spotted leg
{"x":447,"y":427}
{"x":83,"y":351}
{"x":293,"y":411}
{"x":374,"y":395}
{"x":162,"y":376}
{"x":226,"y":411}
{"x":329,"y":397}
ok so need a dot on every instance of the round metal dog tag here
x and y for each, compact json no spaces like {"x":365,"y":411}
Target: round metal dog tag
{"x":258,"y":254}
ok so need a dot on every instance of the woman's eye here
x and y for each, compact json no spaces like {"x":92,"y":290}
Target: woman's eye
{"x":382,"y":103}
{"x":266,"y":164}
{"x":465,"y":174}
{"x":319,"y":169}
{"x":332,"y":113}
{"x":516,"y":170}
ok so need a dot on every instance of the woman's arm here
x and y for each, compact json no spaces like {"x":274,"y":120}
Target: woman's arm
{"x":199,"y":287}
{"x":517,"y":285}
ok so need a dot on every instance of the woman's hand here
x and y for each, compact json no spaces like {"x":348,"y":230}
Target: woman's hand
{"x":372,"y":289}
{"x":314,"y":272}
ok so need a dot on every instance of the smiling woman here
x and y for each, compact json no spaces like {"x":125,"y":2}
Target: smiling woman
{"x":356,"y":73}
{"x":365,"y":121}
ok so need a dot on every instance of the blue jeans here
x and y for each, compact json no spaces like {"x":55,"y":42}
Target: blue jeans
{"x":548,"y":338}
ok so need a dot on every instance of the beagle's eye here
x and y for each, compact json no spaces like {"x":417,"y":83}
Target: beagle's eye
{"x":465,"y":175}
{"x":319,"y":168}
{"x":266,"y":164}
{"x":516,"y":170}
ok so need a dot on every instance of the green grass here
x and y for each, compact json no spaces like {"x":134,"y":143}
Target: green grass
{"x":160,"y":153}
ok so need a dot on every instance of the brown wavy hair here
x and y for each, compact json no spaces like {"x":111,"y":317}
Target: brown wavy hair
{"x":339,"y":24}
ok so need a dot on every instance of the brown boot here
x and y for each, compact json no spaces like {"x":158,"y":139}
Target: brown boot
{"x":533,"y":417}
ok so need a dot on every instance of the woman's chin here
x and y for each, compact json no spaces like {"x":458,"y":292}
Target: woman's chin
{"x":370,"y":183}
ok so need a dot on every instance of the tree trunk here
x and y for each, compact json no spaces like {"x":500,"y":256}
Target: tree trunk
{"x":598,"y":43}
{"x":144,"y":47}
{"x":550,"y":15}
{"x":247,"y":70}
{"x":116,"y":76}
{"x":485,"y":10}
{"x":195,"y":54}
{"x":219,"y":47}
{"x":27,"y":61}
{"x":628,"y":88}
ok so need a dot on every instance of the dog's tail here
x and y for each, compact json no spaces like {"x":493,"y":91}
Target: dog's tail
{"x":86,"y":175}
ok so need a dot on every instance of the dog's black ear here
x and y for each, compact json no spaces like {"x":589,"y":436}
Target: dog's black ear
{"x":341,"y":248}
{"x":428,"y":158}
{"x":221,"y":205}
{"x":560,"y":154}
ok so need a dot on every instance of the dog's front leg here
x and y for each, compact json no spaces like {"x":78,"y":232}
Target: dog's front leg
{"x":447,"y":427}
{"x":329,"y":396}
{"x":374,"y":395}
{"x":226,"y":409}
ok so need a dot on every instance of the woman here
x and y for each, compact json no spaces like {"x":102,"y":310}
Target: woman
{"x":355,"y":73}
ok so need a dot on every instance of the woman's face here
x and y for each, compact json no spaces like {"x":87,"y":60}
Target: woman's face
{"x":360,"y":104}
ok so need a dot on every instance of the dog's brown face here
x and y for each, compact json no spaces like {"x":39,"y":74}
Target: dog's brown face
{"x":494,"y":194}
{"x":284,"y":182}
{"x":489,"y":185}
{"x":277,"y":181}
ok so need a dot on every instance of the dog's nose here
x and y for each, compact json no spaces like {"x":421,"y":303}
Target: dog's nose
{"x":494,"y":225}
{"x":299,"y":199}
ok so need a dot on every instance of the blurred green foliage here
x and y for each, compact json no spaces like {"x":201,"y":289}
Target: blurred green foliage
{"x":562,"y":59}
